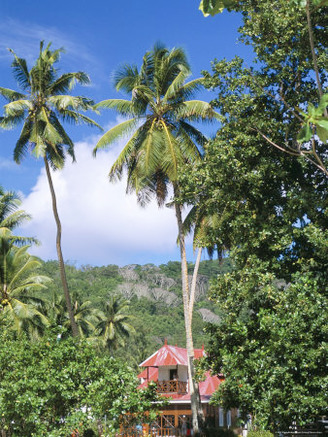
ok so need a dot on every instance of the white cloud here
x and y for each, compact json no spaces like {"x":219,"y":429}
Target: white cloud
{"x":7,"y":164}
{"x":101,"y":224}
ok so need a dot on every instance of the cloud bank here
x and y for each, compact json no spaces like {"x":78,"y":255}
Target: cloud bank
{"x":101,"y":223}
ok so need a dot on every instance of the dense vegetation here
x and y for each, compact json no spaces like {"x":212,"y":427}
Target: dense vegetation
{"x":152,"y":319}
{"x":258,"y":192}
{"x":261,"y":179}
{"x":42,"y":383}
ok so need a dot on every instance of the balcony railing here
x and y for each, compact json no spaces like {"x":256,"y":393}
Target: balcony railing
{"x":172,"y":386}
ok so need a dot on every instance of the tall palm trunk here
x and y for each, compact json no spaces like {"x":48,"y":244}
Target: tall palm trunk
{"x":196,"y":409}
{"x":194,"y":283}
{"x":75,"y":331}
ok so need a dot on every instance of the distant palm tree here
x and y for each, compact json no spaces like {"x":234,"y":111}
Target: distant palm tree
{"x":10,"y":218}
{"x":113,"y":327}
{"x":19,"y":307}
{"x":201,"y":224}
{"x":85,"y":315}
{"x":162,"y":140}
{"x":44,"y":103}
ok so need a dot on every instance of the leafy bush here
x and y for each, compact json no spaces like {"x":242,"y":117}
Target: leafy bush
{"x":259,"y":433}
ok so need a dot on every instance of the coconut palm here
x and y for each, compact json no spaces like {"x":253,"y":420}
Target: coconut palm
{"x":19,"y":307}
{"x":42,"y":106}
{"x":162,"y":140}
{"x":85,"y":315}
{"x":113,"y":326}
{"x":10,"y":218}
{"x":201,"y":224}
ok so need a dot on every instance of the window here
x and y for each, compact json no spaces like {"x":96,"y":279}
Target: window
{"x":221,"y":417}
{"x":173,"y":374}
{"x":228,"y":418}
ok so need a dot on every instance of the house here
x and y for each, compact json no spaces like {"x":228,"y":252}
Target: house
{"x":168,"y":368}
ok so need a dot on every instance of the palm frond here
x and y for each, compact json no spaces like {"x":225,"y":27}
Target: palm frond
{"x":11,"y":95}
{"x":77,"y":103}
{"x":122,"y":129}
{"x":176,"y":85}
{"x":197,"y":110}
{"x":195,"y":134}
{"x":66,"y":139}
{"x":10,"y":121}
{"x":189,"y":88}
{"x":21,"y":147}
{"x":75,"y":117}
{"x":126,"y":78}
{"x":67,"y":81}
{"x":123,"y":107}
{"x":20,"y":70}
{"x":124,"y":158}
{"x":172,"y":156}
{"x":17,"y":107}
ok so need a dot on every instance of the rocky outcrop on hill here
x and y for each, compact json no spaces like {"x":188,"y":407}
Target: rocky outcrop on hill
{"x":130,"y":289}
{"x":209,"y":316}
{"x":148,"y":281}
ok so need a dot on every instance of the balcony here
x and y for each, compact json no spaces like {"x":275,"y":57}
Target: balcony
{"x":172,"y":386}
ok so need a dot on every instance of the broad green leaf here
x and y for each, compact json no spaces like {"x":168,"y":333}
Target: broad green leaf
{"x":323,"y":123}
{"x":211,"y":7}
{"x":304,"y":134}
{"x":322,"y":134}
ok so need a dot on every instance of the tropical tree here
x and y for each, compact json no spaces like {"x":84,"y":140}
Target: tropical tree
{"x":20,"y":310}
{"x":85,"y":314}
{"x":113,"y":326}
{"x":42,"y":106}
{"x":313,"y":124}
{"x":272,"y":215}
{"x":10,"y":218}
{"x":162,"y":141}
{"x":42,"y":383}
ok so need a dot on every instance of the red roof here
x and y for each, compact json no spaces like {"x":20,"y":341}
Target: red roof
{"x":151,"y":374}
{"x":169,"y":355}
{"x":172,"y":355}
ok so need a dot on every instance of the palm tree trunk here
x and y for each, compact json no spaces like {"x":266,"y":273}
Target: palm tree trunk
{"x":75,"y":331}
{"x":194,"y":283}
{"x":196,"y":409}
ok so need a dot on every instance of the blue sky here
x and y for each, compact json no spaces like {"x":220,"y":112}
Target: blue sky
{"x":101,"y":225}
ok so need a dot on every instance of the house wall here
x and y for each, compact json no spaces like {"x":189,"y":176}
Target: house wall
{"x":164,"y":373}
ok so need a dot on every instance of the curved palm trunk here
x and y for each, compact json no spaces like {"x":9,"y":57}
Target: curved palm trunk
{"x":196,"y":409}
{"x":75,"y":330}
{"x":194,"y":283}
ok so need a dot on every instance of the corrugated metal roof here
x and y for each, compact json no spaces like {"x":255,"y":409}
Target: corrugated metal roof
{"x":169,"y":355}
{"x":151,"y":373}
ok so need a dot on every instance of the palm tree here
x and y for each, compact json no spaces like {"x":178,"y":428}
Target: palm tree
{"x":10,"y":218}
{"x":85,"y":315}
{"x":201,"y":224}
{"x":113,"y":326}
{"x":18,"y":280}
{"x":162,"y":141}
{"x":43,"y":105}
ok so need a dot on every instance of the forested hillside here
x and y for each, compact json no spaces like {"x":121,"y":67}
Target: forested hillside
{"x":154,"y":293}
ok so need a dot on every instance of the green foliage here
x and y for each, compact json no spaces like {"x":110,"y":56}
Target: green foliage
{"x":20,"y":311}
{"x":272,"y":346}
{"x":114,"y":325}
{"x":160,"y":102}
{"x":271,"y":208}
{"x":213,"y":7}
{"x":52,"y":387}
{"x":214,"y":431}
{"x":259,"y":433}
{"x":44,"y":105}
